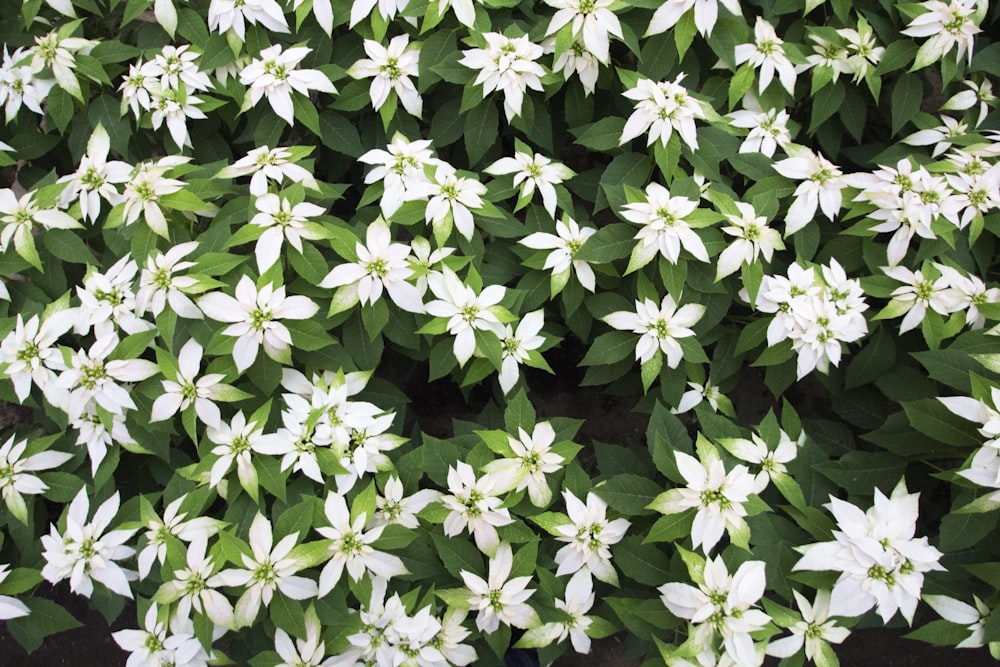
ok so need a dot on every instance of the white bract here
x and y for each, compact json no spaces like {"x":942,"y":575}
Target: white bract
{"x":466,"y":311}
{"x":158,"y":286}
{"x":282,"y":221}
{"x":276,"y":75}
{"x":517,"y":348}
{"x":665,"y":229}
{"x":591,"y":21}
{"x":225,"y":15}
{"x":31,"y":356}
{"x":507,"y":64}
{"x":768,"y":129}
{"x":95,"y":178}
{"x":815,"y":631}
{"x":531,"y":461}
{"x":706,"y":13}
{"x":531,"y":171}
{"x":659,"y":327}
{"x":949,"y":26}
{"x":269,"y":164}
{"x":822,"y":182}
{"x":185,"y":390}
{"x":15,"y":478}
{"x":753,"y":238}
{"x":401,"y":169}
{"x":767,"y":55}
{"x":475,"y":506}
{"x":500,"y":599}
{"x":589,"y":536}
{"x":172,"y":525}
{"x":660,"y":109}
{"x":390,"y":68}
{"x":254,"y":315}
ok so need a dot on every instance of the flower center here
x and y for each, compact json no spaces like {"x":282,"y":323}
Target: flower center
{"x":93,"y":375}
{"x":391,"y":69}
{"x":28,"y":352}
{"x":259,"y":318}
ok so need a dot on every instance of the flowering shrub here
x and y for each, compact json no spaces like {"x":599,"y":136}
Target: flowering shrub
{"x":240,"y":237}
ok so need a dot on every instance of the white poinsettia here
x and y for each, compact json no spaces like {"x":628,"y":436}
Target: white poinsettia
{"x":768,"y":129}
{"x":517,"y":346}
{"x":30,"y":354}
{"x":308,"y":652}
{"x":665,"y":229}
{"x":174,"y":524}
{"x":500,"y":599}
{"x":159,"y":287}
{"x":757,"y":451}
{"x":265,"y":164}
{"x":660,"y":109}
{"x":980,"y":93}
{"x":90,"y":375}
{"x":723,"y":604}
{"x":225,"y":15}
{"x":382,"y":265}
{"x":107,"y":302}
{"x":351,"y":548}
{"x":19,"y":85}
{"x":564,"y":244}
{"x":474,"y":505}
{"x":95,"y":178}
{"x":950,"y":25}
{"x":920,"y":293}
{"x":188,"y":389}
{"x":466,"y":311}
{"x":717,"y":494}
{"x":942,"y":136}
{"x":255,"y":316}
{"x":276,"y":75}
{"x":235,"y":442}
{"x":147,"y":184}
{"x":589,"y":537}
{"x":58,"y":54}
{"x":16,"y":479}
{"x":577,"y":60}
{"x":815,"y":631}
{"x":881,"y":563}
{"x":659,"y":327}
{"x":86,"y":551}
{"x":508,"y":64}
{"x":753,"y":238}
{"x":821,"y":186}
{"x":706,"y":13}
{"x":195,"y":587}
{"x":282,"y":221}
{"x":20,"y":215}
{"x":268,"y":569}
{"x":387,"y":9}
{"x":590,"y":20}
{"x":534,"y":171}
{"x":395,"y":508}
{"x":767,"y":55}
{"x":390,"y":68}
{"x":532,"y":460}
{"x":401,"y":169}
{"x":962,"y":613}
{"x":450,"y":197}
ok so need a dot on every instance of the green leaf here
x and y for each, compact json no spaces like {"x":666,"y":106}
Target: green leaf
{"x":670,"y":527}
{"x":861,"y":472}
{"x":519,"y":414}
{"x":932,"y":418}
{"x":643,"y":563}
{"x":609,"y":348}
{"x":825,"y":104}
{"x":458,"y":555}
{"x":481,"y":127}
{"x":67,"y":245}
{"x":46,"y":618}
{"x":609,"y":243}
{"x":907,"y":96}
{"x":629,"y":494}
{"x":603,"y":135}
{"x":339,"y":134}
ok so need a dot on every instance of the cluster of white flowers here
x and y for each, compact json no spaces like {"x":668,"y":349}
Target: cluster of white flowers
{"x":939,"y":288}
{"x":881,"y":563}
{"x":660,"y":109}
{"x":817,"y":311}
{"x":20,"y":83}
{"x":167,"y":88}
{"x":984,"y":467}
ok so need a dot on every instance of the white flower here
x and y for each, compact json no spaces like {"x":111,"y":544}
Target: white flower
{"x":365,"y":446}
{"x":948,"y":25}
{"x":699,"y":392}
{"x":274,"y":164}
{"x":589,"y":20}
{"x":174,"y":109}
{"x":90,"y":376}
{"x":881,"y":563}
{"x":941,"y":136}
{"x":184,"y":390}
{"x":975,"y":93}
{"x":507,"y":64}
{"x":659,"y":327}
{"x":172,"y":525}
{"x":15,"y":478}
{"x":158,"y":286}
{"x":531,"y":171}
{"x":767,"y":55}
{"x":465,"y":310}
{"x":474,"y":506}
{"x":107,"y":301}
{"x":58,"y":53}
{"x":517,"y":347}
{"x":391,"y":68}
{"x":664,"y":228}
{"x":577,"y":59}
{"x":10,"y":607}
{"x":176,"y":67}
{"x":531,"y":461}
{"x":706,"y":13}
{"x":308,"y":652}
{"x":146,"y":646}
{"x":255,"y":316}
{"x":235,"y":442}
{"x":394,"y":508}
{"x":498,"y":599}
{"x":919,"y":293}
{"x":661,"y":108}
{"x":387,"y":9}
{"x":269,"y":569}
{"x":19,"y":85}
{"x":962,"y":613}
{"x":400,"y":167}
{"x":589,"y":537}
{"x":142,"y":193}
{"x":275,"y":74}
{"x":831,"y":54}
{"x":351,"y":548}
{"x":85,"y":552}
{"x":861,"y":48}
{"x":194,"y":588}
{"x":382,"y":265}
{"x":450,"y":636}
{"x":280,"y":221}
{"x":753,"y":238}
{"x":450,"y":198}
{"x":20,"y":217}
{"x":30,"y":354}
{"x":974,"y":293}
{"x":756,"y":451}
{"x":92,"y":433}
{"x":814,"y":630}
{"x":718,"y":495}
{"x":978,"y":194}
{"x":822,"y":182}
{"x":95,"y":178}
{"x":768,"y":129}
{"x":722,"y":603}
{"x":564,"y":244}
{"x":233,"y":15}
